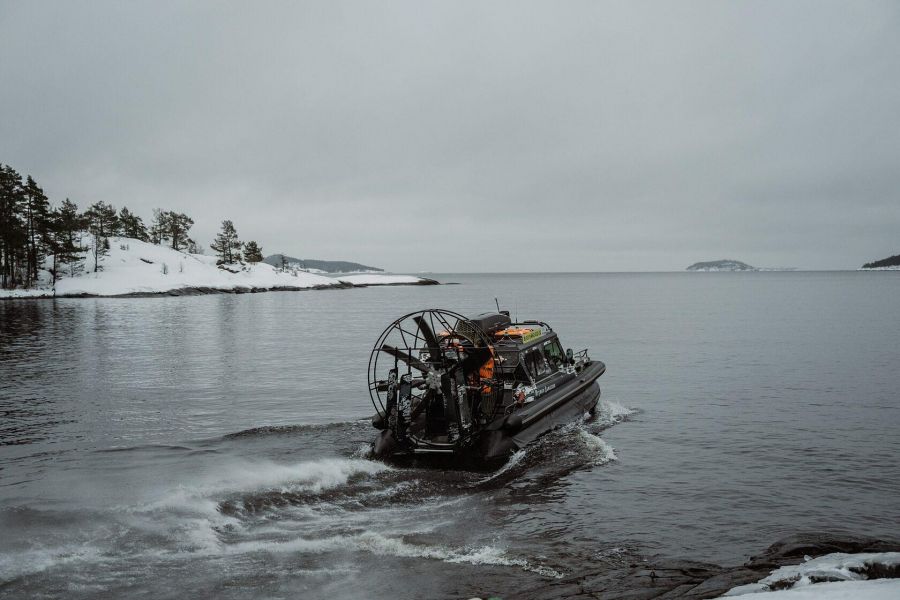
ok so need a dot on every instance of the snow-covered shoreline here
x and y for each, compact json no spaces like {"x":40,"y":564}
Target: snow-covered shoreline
{"x":136,"y":268}
{"x":838,"y":576}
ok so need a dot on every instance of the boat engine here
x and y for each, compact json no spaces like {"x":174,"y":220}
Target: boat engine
{"x":431,"y":380}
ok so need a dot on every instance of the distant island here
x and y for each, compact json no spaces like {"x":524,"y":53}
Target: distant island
{"x":312,"y":265}
{"x":721,"y":265}
{"x":892,"y":263}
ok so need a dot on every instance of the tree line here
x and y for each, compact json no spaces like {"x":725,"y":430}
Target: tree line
{"x":35,"y":235}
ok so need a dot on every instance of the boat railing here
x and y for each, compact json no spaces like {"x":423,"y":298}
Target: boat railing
{"x":580,"y":359}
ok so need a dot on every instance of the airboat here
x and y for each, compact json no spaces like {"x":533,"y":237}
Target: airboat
{"x":474,"y":388}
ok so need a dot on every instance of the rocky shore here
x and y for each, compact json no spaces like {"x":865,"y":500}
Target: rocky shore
{"x":202,"y":291}
{"x":668,"y":579}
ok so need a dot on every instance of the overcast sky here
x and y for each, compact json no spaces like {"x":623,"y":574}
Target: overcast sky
{"x":474,"y":136}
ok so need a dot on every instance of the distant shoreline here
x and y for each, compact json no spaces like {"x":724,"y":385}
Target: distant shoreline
{"x":209,"y":291}
{"x":133,"y":268}
{"x":43,"y":294}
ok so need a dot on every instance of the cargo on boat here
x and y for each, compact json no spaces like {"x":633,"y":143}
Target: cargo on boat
{"x":474,"y":387}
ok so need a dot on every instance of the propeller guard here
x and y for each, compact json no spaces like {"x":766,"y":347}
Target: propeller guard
{"x":425,"y":378}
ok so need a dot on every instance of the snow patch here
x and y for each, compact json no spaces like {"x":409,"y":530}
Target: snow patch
{"x":831,"y":576}
{"x":875,"y":589}
{"x":375,"y":279}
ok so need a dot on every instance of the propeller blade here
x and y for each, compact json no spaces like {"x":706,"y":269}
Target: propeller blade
{"x":474,"y":359}
{"x":423,"y":404}
{"x":431,"y":342}
{"x":406,"y":357}
{"x":449,"y":400}
{"x":382,"y":384}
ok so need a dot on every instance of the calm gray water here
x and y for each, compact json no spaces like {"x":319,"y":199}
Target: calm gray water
{"x":212,"y":446}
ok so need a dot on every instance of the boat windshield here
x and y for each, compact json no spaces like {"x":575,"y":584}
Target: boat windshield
{"x":553,"y":352}
{"x":537,"y":364}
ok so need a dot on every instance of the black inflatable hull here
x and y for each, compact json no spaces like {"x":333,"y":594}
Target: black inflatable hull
{"x":499,"y":444}
{"x":506,"y":435}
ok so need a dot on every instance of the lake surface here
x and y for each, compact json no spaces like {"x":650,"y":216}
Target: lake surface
{"x":215,"y":446}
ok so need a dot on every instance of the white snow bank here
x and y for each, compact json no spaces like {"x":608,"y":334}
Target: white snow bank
{"x":875,"y":589}
{"x":376,"y":279}
{"x":839,"y":576}
{"x":134,"y":267}
{"x":148,"y":268}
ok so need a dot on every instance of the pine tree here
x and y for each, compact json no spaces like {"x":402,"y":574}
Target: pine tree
{"x":36,"y":213}
{"x":252,"y":252}
{"x":13,"y":233}
{"x":101,"y":221}
{"x":179,"y":225}
{"x":159,"y":225}
{"x":227,"y":245}
{"x":60,"y":241}
{"x":131,"y":225}
{"x":68,"y":224}
{"x":172,"y":228}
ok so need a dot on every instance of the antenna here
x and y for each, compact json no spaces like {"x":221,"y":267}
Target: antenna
{"x":497,"y":302}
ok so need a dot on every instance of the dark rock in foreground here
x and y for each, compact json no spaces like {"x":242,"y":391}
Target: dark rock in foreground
{"x":667,"y":579}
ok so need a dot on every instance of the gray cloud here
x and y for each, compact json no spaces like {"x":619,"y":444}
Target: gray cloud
{"x":472,"y":135}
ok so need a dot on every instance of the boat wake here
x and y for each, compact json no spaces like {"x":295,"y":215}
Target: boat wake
{"x":335,"y":516}
{"x":571,"y":447}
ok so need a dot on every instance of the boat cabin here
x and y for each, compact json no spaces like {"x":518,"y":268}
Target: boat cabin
{"x":529,"y":357}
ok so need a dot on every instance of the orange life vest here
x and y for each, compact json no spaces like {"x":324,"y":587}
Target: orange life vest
{"x":486,"y":372}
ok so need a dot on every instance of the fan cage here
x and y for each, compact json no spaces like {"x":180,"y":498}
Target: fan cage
{"x":407,"y":337}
